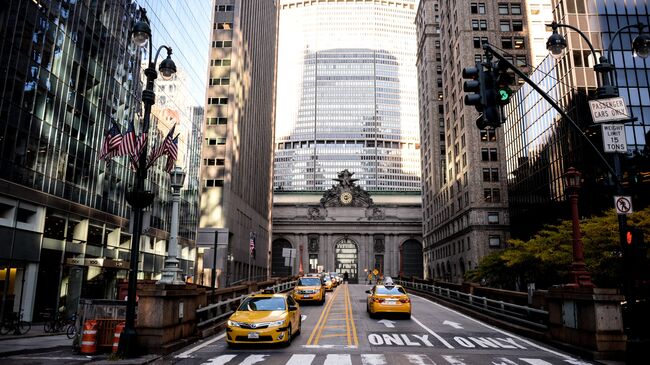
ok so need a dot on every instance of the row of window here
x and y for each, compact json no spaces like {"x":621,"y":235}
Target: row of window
{"x":224,"y":8}
{"x":211,"y":183}
{"x":224,"y":26}
{"x":216,"y":121}
{"x":215,"y":141}
{"x":491,"y":174}
{"x":220,"y":81}
{"x":504,"y":8}
{"x":492,"y":195}
{"x":219,"y":101}
{"x":217,"y":162}
{"x":220,"y":62}
{"x":488,"y":154}
{"x":221,"y":44}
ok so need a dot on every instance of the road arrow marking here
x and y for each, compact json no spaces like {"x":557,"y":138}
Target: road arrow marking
{"x":387,"y":323}
{"x":453,"y":324}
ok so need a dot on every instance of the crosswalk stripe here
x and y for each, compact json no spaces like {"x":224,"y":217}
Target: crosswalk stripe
{"x":373,"y":359}
{"x":535,"y":361}
{"x":253,"y":359}
{"x":419,"y":359}
{"x":454,"y":360}
{"x":221,"y":360}
{"x":301,"y":360}
{"x":335,"y":359}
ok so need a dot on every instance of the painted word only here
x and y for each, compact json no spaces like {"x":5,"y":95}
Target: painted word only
{"x":415,"y":340}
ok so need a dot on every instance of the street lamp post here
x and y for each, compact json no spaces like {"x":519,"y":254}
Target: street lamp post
{"x":138,"y":197}
{"x":171,"y":274}
{"x":580,"y":277}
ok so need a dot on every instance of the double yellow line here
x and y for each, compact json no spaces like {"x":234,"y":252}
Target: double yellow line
{"x":350,"y":328}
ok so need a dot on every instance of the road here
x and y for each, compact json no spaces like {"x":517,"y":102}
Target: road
{"x":341,"y":333}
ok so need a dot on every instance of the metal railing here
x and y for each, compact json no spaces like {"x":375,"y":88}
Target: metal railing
{"x":220,"y":311}
{"x":522,"y":315}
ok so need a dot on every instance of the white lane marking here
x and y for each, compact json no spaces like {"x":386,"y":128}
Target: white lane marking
{"x":453,"y":324}
{"x":577,"y":362}
{"x":253,"y":359}
{"x":419,"y":359}
{"x":329,"y":346}
{"x":566,"y":357}
{"x":387,"y":323}
{"x":332,"y":359}
{"x":186,"y":354}
{"x":48,"y":358}
{"x":220,"y":360}
{"x":373,"y":359}
{"x":535,"y":361}
{"x":504,"y":361}
{"x":449,"y":346}
{"x":453,"y":360}
{"x":301,"y":360}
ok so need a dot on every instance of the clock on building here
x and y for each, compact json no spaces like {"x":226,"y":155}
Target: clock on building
{"x":346,"y":198}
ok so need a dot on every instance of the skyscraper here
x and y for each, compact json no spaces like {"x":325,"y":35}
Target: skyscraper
{"x":237,"y":149}
{"x":68,"y":71}
{"x":465,"y":203}
{"x":346,"y":95}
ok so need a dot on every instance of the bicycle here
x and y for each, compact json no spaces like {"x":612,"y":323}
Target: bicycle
{"x":15,"y":323}
{"x":71,"y":328}
{"x":59,"y":323}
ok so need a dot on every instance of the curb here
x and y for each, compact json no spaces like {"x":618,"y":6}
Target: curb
{"x":34,"y":350}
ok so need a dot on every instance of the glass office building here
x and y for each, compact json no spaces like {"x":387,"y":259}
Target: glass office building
{"x":68,"y":70}
{"x":541,"y":145}
{"x":347,"y":95}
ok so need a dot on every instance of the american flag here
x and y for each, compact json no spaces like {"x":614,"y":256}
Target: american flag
{"x":112,"y":142}
{"x":172,"y":153}
{"x":252,"y":245}
{"x":129,"y":142}
{"x":160,"y":150}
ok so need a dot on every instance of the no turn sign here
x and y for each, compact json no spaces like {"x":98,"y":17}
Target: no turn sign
{"x":623,"y":204}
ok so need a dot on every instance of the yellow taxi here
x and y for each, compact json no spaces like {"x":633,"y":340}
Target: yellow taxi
{"x":328,"y":283}
{"x":264,"y":318}
{"x":309,"y":289}
{"x":388,"y":298}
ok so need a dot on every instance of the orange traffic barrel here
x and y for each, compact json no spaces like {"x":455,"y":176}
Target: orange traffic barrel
{"x":116,"y":337}
{"x":89,"y":337}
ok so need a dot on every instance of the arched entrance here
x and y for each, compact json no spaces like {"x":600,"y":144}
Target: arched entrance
{"x":346,"y":259}
{"x":411,"y":260}
{"x":277,"y":260}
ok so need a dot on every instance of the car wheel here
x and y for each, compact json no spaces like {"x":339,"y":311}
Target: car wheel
{"x":408,"y":315}
{"x":299,"y":326}
{"x":289,"y":337}
{"x":231,"y":345}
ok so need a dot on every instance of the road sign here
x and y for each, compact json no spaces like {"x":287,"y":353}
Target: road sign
{"x":623,"y":204}
{"x":608,"y":110}
{"x":288,"y":252}
{"x":614,"y":138}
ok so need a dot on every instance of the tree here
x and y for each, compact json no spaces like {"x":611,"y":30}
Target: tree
{"x":545,"y":258}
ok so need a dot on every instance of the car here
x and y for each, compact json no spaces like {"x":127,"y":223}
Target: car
{"x":309,"y":289}
{"x":336,"y":279}
{"x":328,"y":283}
{"x":388,"y":298}
{"x":264,"y":318}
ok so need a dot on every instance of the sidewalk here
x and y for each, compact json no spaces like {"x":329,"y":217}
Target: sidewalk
{"x":36,"y":341}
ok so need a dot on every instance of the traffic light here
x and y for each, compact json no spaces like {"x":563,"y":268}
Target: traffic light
{"x":476,"y":84}
{"x":503,"y":80}
{"x":634,"y":237}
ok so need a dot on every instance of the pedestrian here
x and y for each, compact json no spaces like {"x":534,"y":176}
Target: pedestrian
{"x":345,"y":277}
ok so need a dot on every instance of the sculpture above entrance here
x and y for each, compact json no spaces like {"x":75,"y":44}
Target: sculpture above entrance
{"x":346,"y":193}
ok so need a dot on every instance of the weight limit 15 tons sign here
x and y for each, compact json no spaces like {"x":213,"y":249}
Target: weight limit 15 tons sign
{"x":614,"y":138}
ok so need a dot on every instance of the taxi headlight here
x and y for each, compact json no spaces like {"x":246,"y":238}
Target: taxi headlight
{"x":276,"y":323}
{"x":233,"y":324}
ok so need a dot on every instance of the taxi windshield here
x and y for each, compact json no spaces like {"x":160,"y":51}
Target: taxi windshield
{"x":309,"y":282}
{"x":389,"y":290}
{"x":263,"y":304}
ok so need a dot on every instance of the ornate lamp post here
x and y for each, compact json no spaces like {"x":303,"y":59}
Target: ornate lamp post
{"x":171,"y":274}
{"x":580,"y":277}
{"x":138,"y":197}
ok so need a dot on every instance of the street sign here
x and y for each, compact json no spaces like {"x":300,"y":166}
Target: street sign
{"x":614,"y":138}
{"x":608,"y":110}
{"x":288,"y":252}
{"x":623,"y":204}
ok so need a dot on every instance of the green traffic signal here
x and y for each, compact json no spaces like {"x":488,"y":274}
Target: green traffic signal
{"x":504,"y":94}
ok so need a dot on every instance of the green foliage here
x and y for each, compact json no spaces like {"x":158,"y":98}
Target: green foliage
{"x":545,"y":258}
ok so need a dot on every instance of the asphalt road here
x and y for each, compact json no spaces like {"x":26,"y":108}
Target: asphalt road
{"x":341,"y":333}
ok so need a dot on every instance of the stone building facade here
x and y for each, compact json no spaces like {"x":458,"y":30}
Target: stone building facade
{"x":347,"y":229}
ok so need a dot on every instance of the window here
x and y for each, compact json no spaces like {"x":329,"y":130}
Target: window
{"x":517,"y":26}
{"x":485,"y":154}
{"x":478,"y":41}
{"x":221,"y":44}
{"x":478,"y":57}
{"x":221,"y":81}
{"x":495,"y":174}
{"x":488,"y":135}
{"x":515,"y":9}
{"x":519,"y":43}
{"x":493,"y":154}
{"x":216,"y":121}
{"x":220,"y":62}
{"x":477,"y":8}
{"x":224,"y":26}
{"x":503,"y":9}
{"x":496,"y":194}
{"x":493,"y":218}
{"x":492,"y":195}
{"x":222,"y":8}
{"x":494,"y":241}
{"x":504,"y":25}
{"x":506,"y":42}
{"x":487,"y":195}
{"x":486,"y":174}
